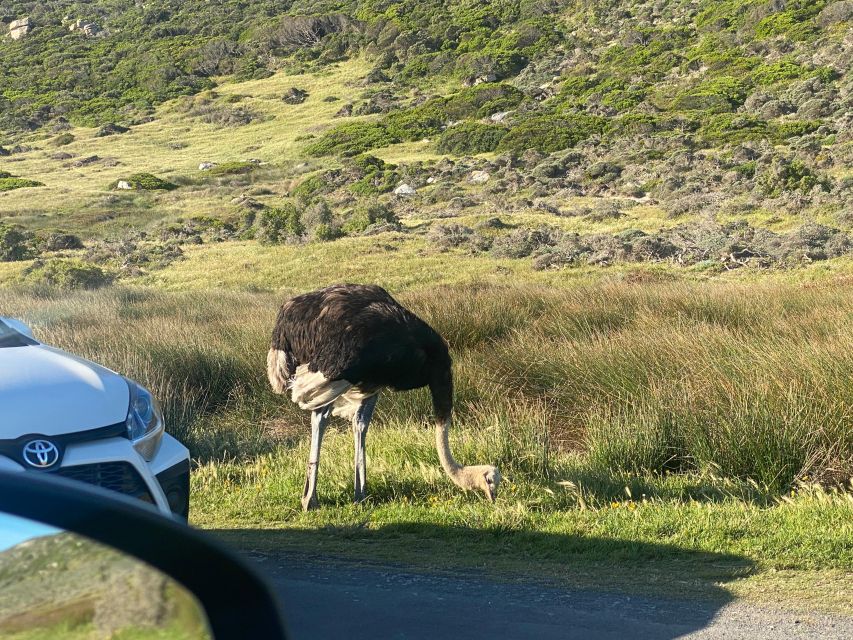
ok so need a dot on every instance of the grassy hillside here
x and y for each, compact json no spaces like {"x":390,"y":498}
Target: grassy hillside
{"x":716,"y":134}
{"x":63,"y":585}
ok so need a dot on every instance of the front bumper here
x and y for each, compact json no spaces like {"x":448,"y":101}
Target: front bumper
{"x":114,"y":464}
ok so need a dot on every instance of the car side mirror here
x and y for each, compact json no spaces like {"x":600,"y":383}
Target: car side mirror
{"x":20,"y":327}
{"x":80,"y":557}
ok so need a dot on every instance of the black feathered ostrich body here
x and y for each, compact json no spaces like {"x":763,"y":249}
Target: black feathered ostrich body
{"x":335,"y":349}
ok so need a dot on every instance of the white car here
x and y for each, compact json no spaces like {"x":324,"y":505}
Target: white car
{"x":65,"y":415}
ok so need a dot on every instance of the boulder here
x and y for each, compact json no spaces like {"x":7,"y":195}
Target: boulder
{"x":295,"y":96}
{"x":376,"y":75}
{"x":479,"y":177}
{"x":124,"y":185}
{"x":19,"y":28}
{"x":110,"y":129}
{"x":488,"y":77}
{"x":500,"y":116}
{"x":206,"y":166}
{"x":86,"y":161}
{"x":404,"y":190}
{"x":88,"y":29}
{"x":345,"y":111}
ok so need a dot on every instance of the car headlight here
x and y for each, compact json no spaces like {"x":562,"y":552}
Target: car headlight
{"x":145,"y":424}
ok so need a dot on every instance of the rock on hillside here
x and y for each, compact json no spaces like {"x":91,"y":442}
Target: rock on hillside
{"x":19,"y":28}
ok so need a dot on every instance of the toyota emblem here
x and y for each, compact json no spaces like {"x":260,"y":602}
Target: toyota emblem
{"x":41,"y":454}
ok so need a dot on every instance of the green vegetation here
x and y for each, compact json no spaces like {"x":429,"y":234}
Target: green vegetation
{"x":231,"y":168}
{"x":15,"y":244}
{"x":605,"y":443}
{"x":351,"y":139}
{"x":149,"y":182}
{"x":8,"y":183}
{"x":281,"y":224}
{"x":68,"y":274}
{"x":471,"y":138}
{"x":64,"y":586}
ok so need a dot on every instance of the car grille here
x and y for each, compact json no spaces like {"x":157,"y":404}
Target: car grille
{"x":115,"y":476}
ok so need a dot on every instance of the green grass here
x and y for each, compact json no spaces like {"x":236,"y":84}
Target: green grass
{"x":696,"y":432}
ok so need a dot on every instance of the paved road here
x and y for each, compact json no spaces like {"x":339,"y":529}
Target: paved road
{"x":341,"y":601}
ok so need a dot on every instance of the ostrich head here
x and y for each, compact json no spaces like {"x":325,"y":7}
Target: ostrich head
{"x":485,"y":478}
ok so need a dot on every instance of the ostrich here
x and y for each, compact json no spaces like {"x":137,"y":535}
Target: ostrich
{"x":335,"y":349}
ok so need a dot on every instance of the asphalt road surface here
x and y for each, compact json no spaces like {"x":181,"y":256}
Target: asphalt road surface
{"x":325,"y":600}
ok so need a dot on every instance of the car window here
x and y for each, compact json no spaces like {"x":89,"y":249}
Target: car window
{"x":11,"y":338}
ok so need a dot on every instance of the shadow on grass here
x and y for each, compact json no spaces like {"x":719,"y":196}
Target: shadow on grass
{"x":566,"y":584}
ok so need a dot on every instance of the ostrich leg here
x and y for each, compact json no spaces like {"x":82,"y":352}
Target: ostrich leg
{"x":360,"y":422}
{"x":319,"y":420}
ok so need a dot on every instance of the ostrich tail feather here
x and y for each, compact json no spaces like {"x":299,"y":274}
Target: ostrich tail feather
{"x":277,"y":370}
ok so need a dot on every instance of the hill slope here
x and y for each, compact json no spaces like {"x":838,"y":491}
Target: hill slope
{"x":692,"y":133}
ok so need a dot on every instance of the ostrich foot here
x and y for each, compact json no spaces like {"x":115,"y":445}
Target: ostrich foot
{"x":309,"y":493}
{"x":309,"y":503}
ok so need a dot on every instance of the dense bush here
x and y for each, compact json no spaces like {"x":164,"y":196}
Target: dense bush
{"x":15,"y":243}
{"x":417,"y":123}
{"x":280,"y":224}
{"x":148,"y":182}
{"x":310,"y":186}
{"x":482,"y":100}
{"x":68,"y":274}
{"x":366,"y":215}
{"x":789,"y":175}
{"x":351,"y":139}
{"x":9,"y":183}
{"x":720,"y":94}
{"x":471,"y":138}
{"x":550,"y":133}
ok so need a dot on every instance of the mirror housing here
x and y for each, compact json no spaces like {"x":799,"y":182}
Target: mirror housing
{"x":237,"y":601}
{"x":20,"y":327}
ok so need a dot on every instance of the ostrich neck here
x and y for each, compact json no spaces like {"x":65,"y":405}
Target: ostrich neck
{"x":442,"y":443}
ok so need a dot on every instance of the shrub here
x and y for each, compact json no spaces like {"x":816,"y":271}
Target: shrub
{"x":781,"y":131}
{"x":789,"y":175}
{"x":148,"y":182}
{"x":524,"y":242}
{"x":319,"y":222}
{"x":351,"y":139}
{"x":780,"y":70}
{"x":232,"y":168}
{"x":309,"y":187}
{"x":377,"y":176}
{"x":280,"y":224}
{"x":471,"y":138}
{"x":15,"y":244}
{"x":417,"y":123}
{"x":714,"y":96}
{"x":550,"y":133}
{"x":366,"y":215}
{"x":60,"y":241}
{"x":62,"y":139}
{"x":482,"y":100}
{"x":68,"y":274}
{"x":9,"y":183}
{"x":731,"y":128}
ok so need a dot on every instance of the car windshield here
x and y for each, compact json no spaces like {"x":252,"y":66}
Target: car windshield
{"x":11,"y":338}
